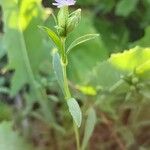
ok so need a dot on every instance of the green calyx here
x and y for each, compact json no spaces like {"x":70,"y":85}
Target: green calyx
{"x":73,"y":20}
{"x":62,"y":17}
{"x":67,"y":22}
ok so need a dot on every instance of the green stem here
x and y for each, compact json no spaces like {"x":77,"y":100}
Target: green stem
{"x":67,"y":91}
{"x":76,"y":135}
{"x":66,"y":88}
{"x":67,"y":96}
{"x":64,"y":57}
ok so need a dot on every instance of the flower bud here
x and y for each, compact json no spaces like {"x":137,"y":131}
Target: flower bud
{"x":62,"y":20}
{"x":73,"y":20}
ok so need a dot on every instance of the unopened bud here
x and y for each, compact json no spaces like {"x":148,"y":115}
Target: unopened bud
{"x":62,"y":20}
{"x":73,"y":20}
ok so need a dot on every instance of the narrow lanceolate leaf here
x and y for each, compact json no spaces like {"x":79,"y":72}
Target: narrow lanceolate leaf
{"x":58,"y":69}
{"x":89,"y":127}
{"x":75,"y":111}
{"x":53,"y":36}
{"x":81,"y":39}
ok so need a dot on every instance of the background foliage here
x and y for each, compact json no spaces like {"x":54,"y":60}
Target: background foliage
{"x":109,"y":76}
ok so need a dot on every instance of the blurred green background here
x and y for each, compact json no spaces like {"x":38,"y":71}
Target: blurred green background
{"x":110,"y":75}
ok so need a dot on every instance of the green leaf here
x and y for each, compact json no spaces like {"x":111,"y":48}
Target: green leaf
{"x":10,"y":140}
{"x":89,"y":127}
{"x":23,"y":40}
{"x":81,"y":40}
{"x":26,"y":49}
{"x":57,"y":66}
{"x":144,"y":70}
{"x":125,"y":7}
{"x":85,"y":56}
{"x":75,"y":111}
{"x":130,"y":59}
{"x":108,"y":73}
{"x":53,"y":36}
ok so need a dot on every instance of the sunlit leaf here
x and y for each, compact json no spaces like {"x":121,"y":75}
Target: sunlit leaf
{"x":88,"y":90}
{"x":108,"y":73}
{"x":144,"y":69}
{"x":23,"y":41}
{"x":130,"y":59}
